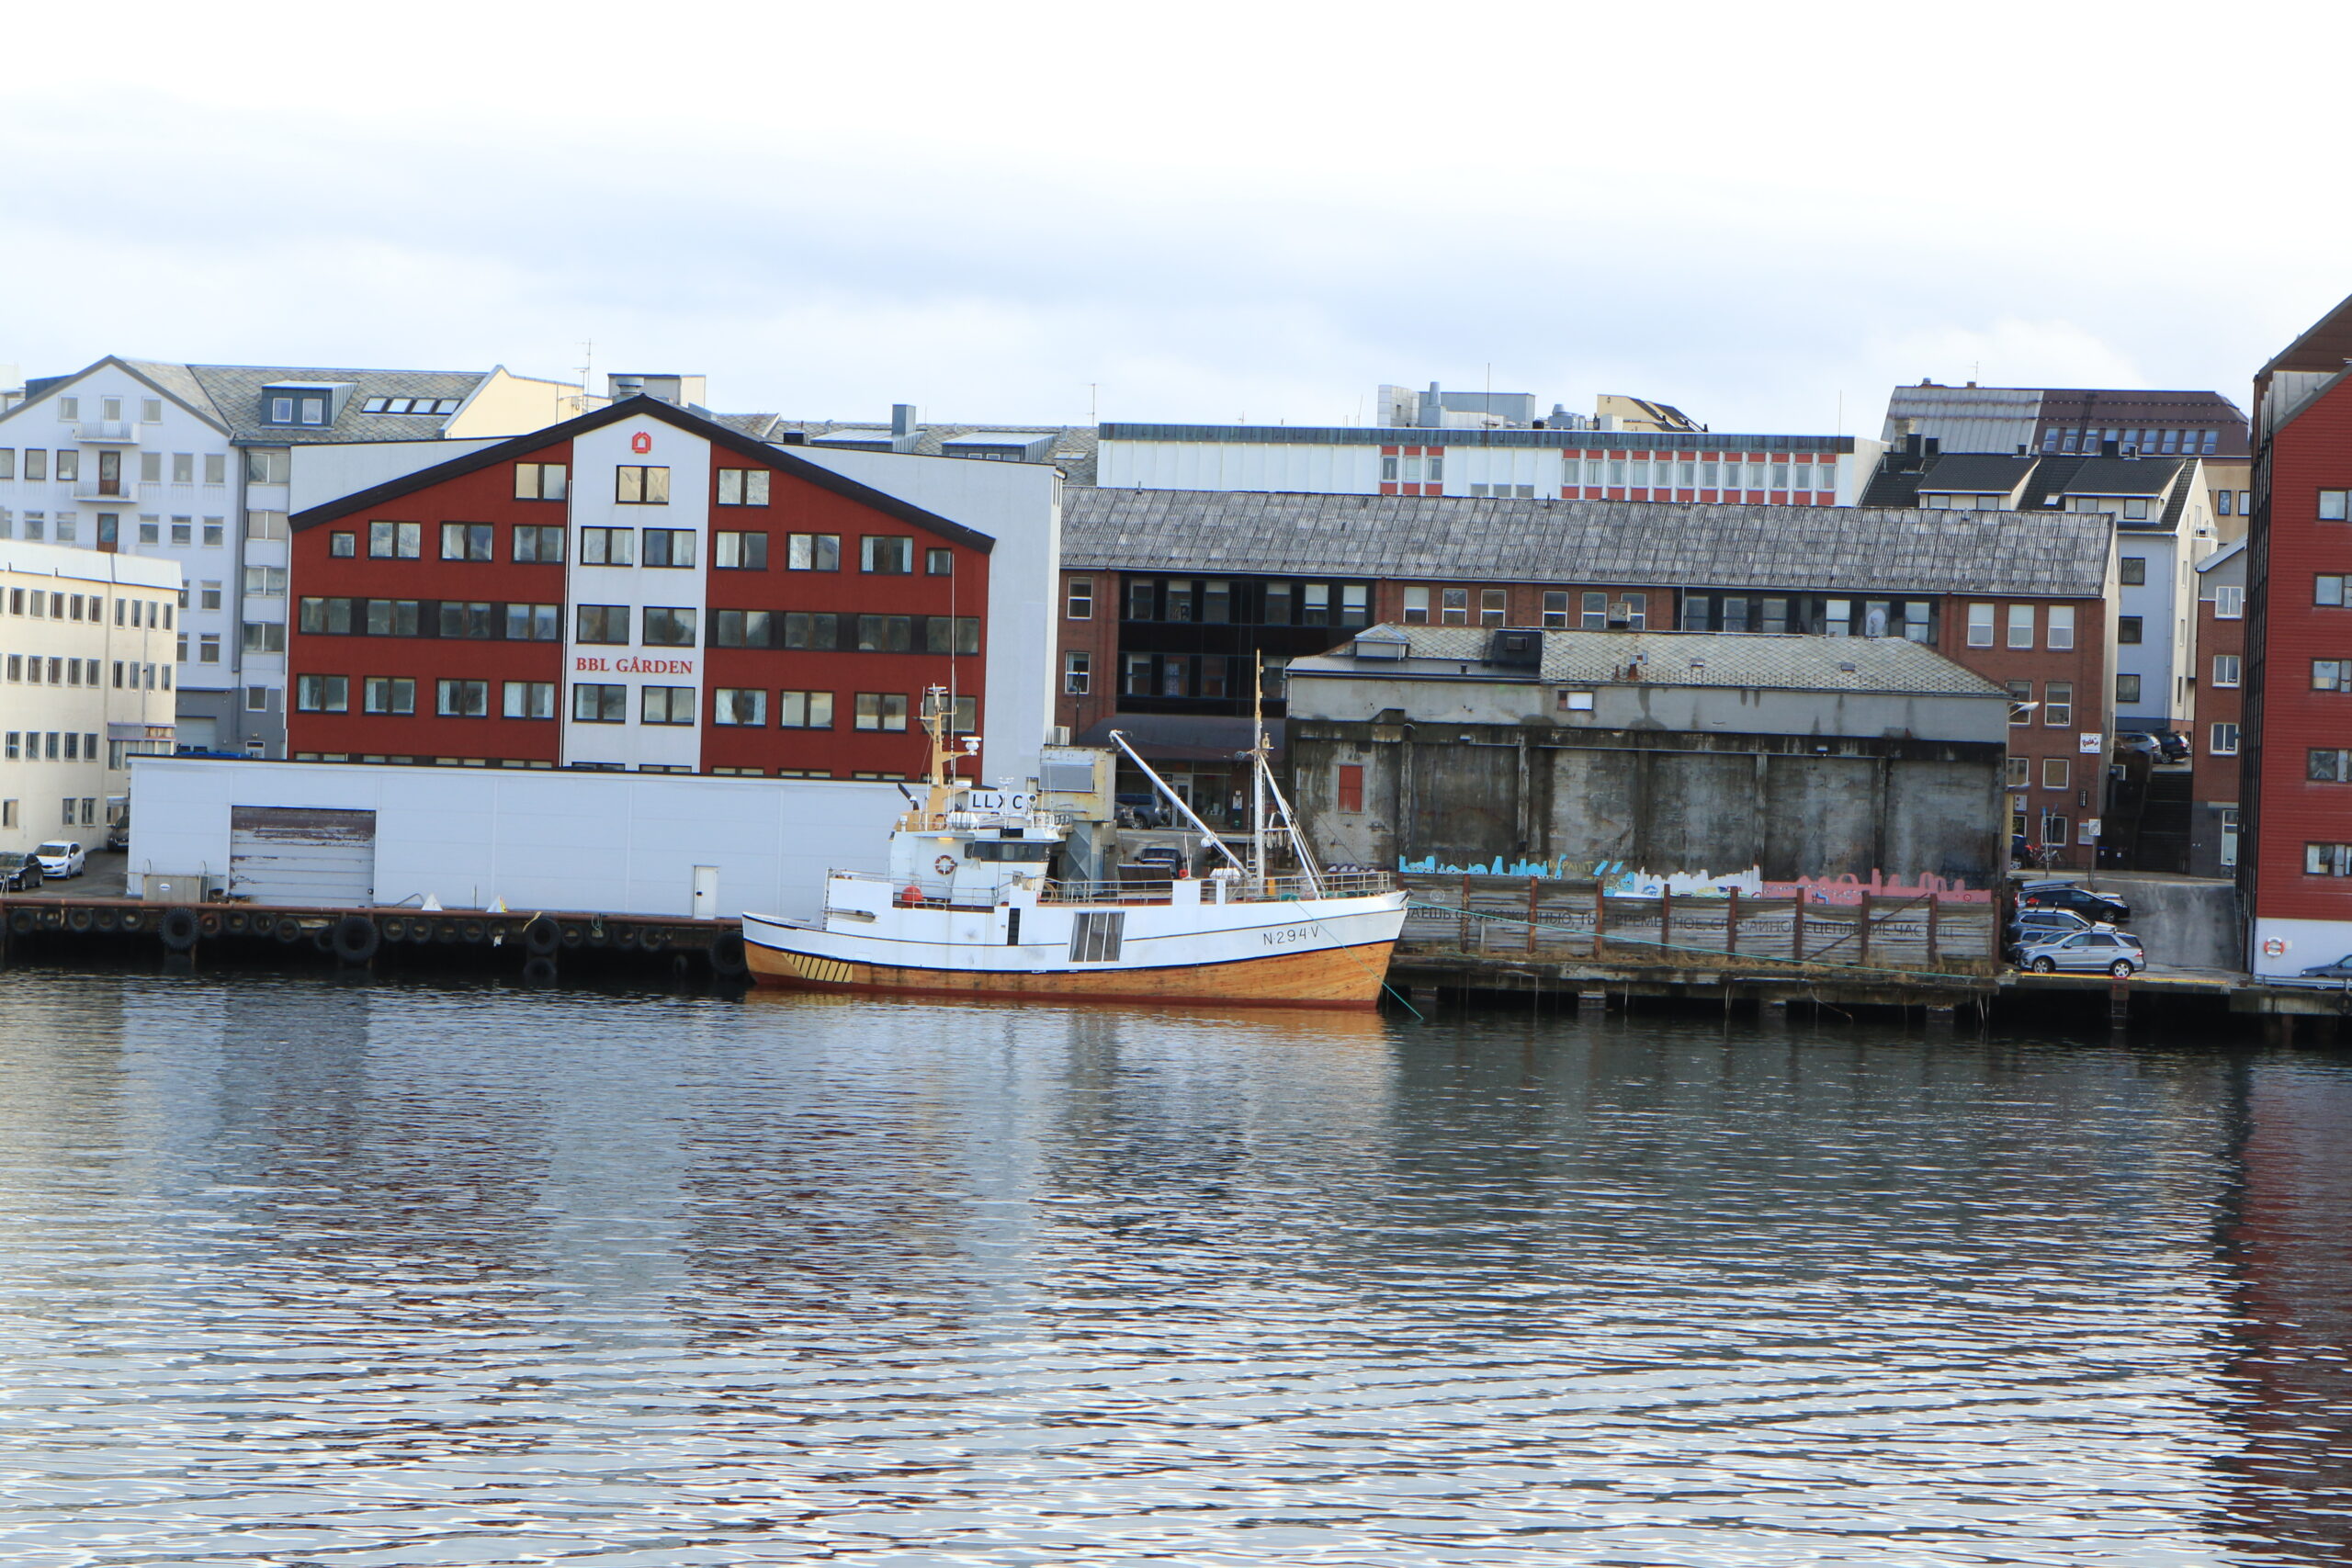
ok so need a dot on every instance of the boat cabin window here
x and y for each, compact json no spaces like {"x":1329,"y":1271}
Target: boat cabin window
{"x":1009,"y":849}
{"x":1094,"y":936}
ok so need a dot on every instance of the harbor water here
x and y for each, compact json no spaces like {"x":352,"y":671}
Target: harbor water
{"x":295,"y":1271}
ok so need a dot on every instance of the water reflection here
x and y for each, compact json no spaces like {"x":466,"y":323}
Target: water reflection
{"x":301,"y":1272}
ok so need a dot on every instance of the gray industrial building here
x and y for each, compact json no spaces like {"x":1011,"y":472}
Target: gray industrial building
{"x":1442,"y":748}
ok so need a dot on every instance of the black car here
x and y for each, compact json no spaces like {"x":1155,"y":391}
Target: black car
{"x":1160,"y":857}
{"x":2173,"y":746}
{"x":2094,"y":907}
{"x":20,"y":873}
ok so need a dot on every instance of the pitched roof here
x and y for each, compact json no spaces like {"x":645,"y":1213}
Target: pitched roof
{"x":2036,"y":555}
{"x":781,"y":458}
{"x":1753,"y":661}
{"x":1977,"y":473}
{"x":236,"y":391}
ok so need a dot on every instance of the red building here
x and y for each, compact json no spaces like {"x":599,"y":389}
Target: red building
{"x":639,"y":587}
{"x":2296,"y":869}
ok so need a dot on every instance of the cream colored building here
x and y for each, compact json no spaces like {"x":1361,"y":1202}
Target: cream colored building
{"x":87,"y":646}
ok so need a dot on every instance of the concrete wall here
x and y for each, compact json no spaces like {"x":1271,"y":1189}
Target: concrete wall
{"x":2187,"y":924}
{"x":1478,"y":795}
{"x":614,"y":842}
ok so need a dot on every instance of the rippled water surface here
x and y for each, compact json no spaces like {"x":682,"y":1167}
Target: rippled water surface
{"x":292,"y":1273}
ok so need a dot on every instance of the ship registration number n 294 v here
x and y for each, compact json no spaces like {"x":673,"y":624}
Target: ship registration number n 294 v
{"x":1291,"y":936}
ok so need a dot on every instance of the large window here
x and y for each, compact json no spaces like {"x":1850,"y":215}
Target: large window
{"x":2058,"y":705}
{"x":890,"y":554}
{"x":811,"y":629}
{"x":2127,"y":688}
{"x":1078,"y":600}
{"x":2327,"y":860}
{"x":540,"y":482}
{"x":668,"y":627}
{"x":740,"y":552}
{"x":742,"y":487}
{"x":2225,"y":668}
{"x":669,"y":547}
{"x":1494,"y":605}
{"x":2332,"y":505}
{"x":395,"y":541}
{"x":1076,"y":671}
{"x":667,"y":705}
{"x":2054,"y":772}
{"x":813,"y":552}
{"x":2062,"y":627}
{"x":539,"y":543}
{"x":599,"y":704}
{"x":607,"y":623}
{"x":534,"y":623}
{"x":2332,"y":674}
{"x":951,"y":634}
{"x":391,"y":694}
{"x":467,"y":541}
{"x":1980,"y":625}
{"x":2228,"y":602}
{"x":636,"y":486}
{"x":389,"y":618}
{"x":2127,"y":629}
{"x":2020,"y":701}
{"x":880,"y":710}
{"x":1453,"y":606}
{"x":463,"y":699}
{"x":474,"y":618}
{"x":2020,"y":626}
{"x":529,"y":699}
{"x":607,"y":546}
{"x":2224,"y":743}
{"x":1416,"y":606}
{"x":743,"y":705}
{"x":742,"y":628}
{"x":804,"y":710}
{"x":322,"y":693}
{"x":885,"y":634}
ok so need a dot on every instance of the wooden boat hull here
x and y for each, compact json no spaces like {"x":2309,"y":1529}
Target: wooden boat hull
{"x":1324,"y":977}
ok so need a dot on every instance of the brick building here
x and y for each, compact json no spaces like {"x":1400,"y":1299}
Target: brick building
{"x":2295,"y":870}
{"x":645,"y":589}
{"x":2217,"y":754}
{"x":1169,"y":597}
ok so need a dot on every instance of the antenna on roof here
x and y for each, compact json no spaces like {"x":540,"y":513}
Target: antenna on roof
{"x":578,"y":400}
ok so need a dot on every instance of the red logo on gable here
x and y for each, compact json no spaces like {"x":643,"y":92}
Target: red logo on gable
{"x":642,"y":441}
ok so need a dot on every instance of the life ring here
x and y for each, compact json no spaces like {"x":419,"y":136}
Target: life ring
{"x":945,"y":865}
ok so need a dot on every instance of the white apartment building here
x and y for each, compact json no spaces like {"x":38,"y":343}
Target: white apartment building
{"x":188,"y":464}
{"x":86,"y":658}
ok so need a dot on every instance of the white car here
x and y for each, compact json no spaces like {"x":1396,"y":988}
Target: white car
{"x":2100,"y":948}
{"x":60,"y":858}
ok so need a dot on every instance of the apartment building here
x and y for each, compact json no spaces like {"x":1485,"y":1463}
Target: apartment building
{"x":1172,"y":601}
{"x":645,"y":589}
{"x":2216,"y":762}
{"x":2295,"y":809}
{"x":188,"y":464}
{"x":87,"y":646}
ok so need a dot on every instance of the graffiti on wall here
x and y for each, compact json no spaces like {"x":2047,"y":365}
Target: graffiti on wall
{"x":1621,"y":881}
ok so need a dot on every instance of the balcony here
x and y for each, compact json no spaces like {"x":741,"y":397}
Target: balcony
{"x":96,"y":491}
{"x":108,"y":433}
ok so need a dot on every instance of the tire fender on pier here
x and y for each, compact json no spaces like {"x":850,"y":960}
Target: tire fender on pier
{"x":357,"y":939}
{"x":178,"y":929}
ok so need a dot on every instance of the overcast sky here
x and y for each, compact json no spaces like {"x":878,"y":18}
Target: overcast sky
{"x":1767,"y":215}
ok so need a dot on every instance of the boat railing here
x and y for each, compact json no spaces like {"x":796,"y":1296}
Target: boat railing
{"x":1344,"y":885}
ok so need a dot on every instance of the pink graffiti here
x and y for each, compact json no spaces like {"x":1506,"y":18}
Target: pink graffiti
{"x":1849,"y":888}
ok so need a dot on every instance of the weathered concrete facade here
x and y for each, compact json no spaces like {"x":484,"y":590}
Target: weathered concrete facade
{"x":1459,"y":762}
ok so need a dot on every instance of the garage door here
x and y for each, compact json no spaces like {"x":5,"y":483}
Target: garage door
{"x":297,"y":855}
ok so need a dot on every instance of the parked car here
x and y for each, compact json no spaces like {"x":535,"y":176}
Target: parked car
{"x":2336,"y":974}
{"x":2173,"y":746}
{"x":2054,"y":895}
{"x":2132,"y":741}
{"x":2032,"y":926}
{"x":2094,"y":952}
{"x":1162,"y":857}
{"x":20,"y":873}
{"x":61,"y":858}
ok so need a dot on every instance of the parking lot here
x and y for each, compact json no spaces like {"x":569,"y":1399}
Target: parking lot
{"x":104,"y":876}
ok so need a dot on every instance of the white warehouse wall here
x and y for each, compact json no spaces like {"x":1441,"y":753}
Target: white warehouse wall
{"x":619,"y":844}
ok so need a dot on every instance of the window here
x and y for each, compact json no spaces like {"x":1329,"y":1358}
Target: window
{"x":463,"y":699}
{"x":268,"y":465}
{"x":885,"y":634}
{"x":2135,"y":570}
{"x":2228,"y":602}
{"x":604,"y":624}
{"x":1494,"y":605}
{"x":1142,"y":602}
{"x":668,"y":627}
{"x":1276,"y":611}
{"x":813,"y":552}
{"x":964,"y":718}
{"x":213,"y":532}
{"x":1351,"y":786}
{"x":880,"y":710}
{"x":939,"y":562}
{"x":1636,"y":609}
{"x":466,"y":541}
{"x":888,"y":553}
{"x":342,"y":545}
{"x":1416,"y":606}
{"x":2020,"y":626}
{"x":395,"y":541}
{"x":598,"y":704}
{"x":2221,"y":502}
{"x":2127,"y":688}
{"x":467,"y":618}
{"x":390,"y":693}
{"x":742,"y":487}
{"x":1980,"y":625}
{"x":263,"y":636}
{"x":1094,"y":936}
{"x":2224,"y":743}
{"x":2332,"y":674}
{"x":2053,"y":773}
{"x":2225,"y":670}
{"x":539,"y":543}
{"x":740,"y":552}
{"x":951,"y":634}
{"x":2329,"y":765}
{"x":667,"y":705}
{"x":2020,"y":701}
{"x":183,"y":468}
{"x":2020,"y":773}
{"x":2327,"y":860}
{"x":2127,"y":629}
{"x":811,"y":629}
{"x":739,"y":705}
{"x":669,"y":547}
{"x":534,"y":623}
{"x":208,"y":648}
{"x":607,"y":546}
{"x":804,"y":710}
{"x":637,"y":486}
{"x":1453,"y":606}
{"x":385,"y":617}
{"x":322,"y":693}
{"x":1076,"y":673}
{"x":257,"y":698}
{"x":1314,"y":605}
{"x":1078,"y":602}
{"x":1555,"y":610}
{"x":2053,"y":830}
{"x":2058,"y":705}
{"x":2062,"y":627}
{"x":69,"y":463}
{"x":36,"y":462}
{"x":541,"y":481}
{"x":2330,"y":505}
{"x":2135,"y":511}
{"x":1355,"y":603}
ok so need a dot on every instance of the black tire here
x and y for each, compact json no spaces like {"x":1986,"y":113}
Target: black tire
{"x":2044,"y":966}
{"x":395,"y":928}
{"x":209,"y":924}
{"x":574,"y":933}
{"x":727,"y":957}
{"x":109,"y":919}
{"x":624,"y":937}
{"x":22,"y":919}
{"x":2120,"y":969}
{"x":357,"y":939}
{"x":538,"y":970}
{"x":178,"y":929}
{"x":541,"y":937}
{"x":289,"y":931}
{"x":81,"y":920}
{"x":236,"y":922}
{"x":653,"y":939}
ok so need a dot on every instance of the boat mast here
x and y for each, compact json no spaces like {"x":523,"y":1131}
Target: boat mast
{"x":934,"y":723}
{"x":1257,"y":771}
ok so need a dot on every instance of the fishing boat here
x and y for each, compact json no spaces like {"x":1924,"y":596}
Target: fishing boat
{"x":980,"y":901}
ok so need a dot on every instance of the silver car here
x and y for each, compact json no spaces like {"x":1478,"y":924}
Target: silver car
{"x":2089,"y":952}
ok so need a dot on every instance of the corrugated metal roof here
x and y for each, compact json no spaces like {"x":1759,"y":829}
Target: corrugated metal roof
{"x":1752,"y":661}
{"x":2036,"y":555}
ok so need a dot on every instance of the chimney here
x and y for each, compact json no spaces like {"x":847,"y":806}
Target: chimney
{"x":903,"y":434}
{"x":2107,"y":447}
{"x":1432,"y":407}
